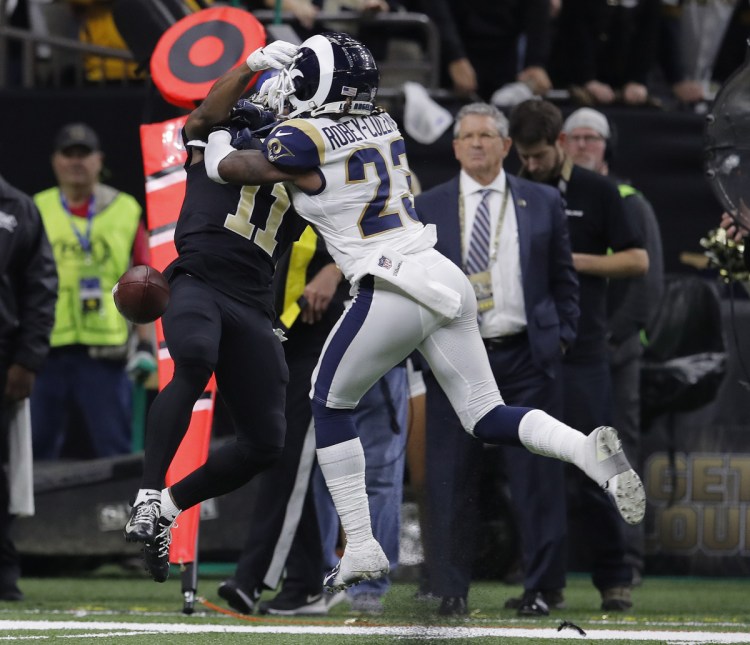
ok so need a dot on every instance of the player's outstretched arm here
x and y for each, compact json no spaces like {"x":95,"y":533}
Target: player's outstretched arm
{"x":217,"y":105}
{"x":229,"y":87}
{"x":226,"y":165}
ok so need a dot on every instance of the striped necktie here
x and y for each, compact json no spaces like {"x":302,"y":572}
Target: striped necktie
{"x":478,"y":257}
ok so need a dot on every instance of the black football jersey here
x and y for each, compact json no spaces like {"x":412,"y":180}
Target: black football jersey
{"x":231,"y":236}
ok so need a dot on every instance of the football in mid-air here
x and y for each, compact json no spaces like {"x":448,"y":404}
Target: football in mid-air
{"x":141,"y":294}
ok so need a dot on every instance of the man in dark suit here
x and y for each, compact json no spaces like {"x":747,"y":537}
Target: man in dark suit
{"x":607,"y":246}
{"x":528,"y":302}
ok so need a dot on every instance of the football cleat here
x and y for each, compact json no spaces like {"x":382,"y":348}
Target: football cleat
{"x":626,"y":489}
{"x":606,"y":463}
{"x":156,"y":552}
{"x":368,"y":562}
{"x":141,"y":525}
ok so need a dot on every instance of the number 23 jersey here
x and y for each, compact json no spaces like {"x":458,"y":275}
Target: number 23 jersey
{"x":365,"y":201}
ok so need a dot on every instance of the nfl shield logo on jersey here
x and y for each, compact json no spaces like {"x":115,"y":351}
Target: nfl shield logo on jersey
{"x":385,"y":262}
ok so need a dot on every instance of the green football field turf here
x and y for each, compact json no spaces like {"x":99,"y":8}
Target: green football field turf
{"x":111,"y":605}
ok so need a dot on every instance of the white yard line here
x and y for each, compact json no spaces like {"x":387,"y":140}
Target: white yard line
{"x":416,"y":632}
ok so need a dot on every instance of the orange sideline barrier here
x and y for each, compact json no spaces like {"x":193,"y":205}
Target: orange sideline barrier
{"x":163,"y":159}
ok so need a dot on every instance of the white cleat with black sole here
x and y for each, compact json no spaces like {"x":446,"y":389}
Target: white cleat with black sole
{"x":606,"y":463}
{"x":366,"y":562}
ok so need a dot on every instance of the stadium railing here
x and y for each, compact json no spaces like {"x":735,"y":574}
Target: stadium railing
{"x":62,"y":65}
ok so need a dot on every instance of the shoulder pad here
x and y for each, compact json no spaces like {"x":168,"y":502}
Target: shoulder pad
{"x":296,"y":143}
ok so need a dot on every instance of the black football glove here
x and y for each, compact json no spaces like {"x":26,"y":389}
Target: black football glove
{"x":251,"y":115}
{"x":242,"y":137}
{"x":246,"y":139}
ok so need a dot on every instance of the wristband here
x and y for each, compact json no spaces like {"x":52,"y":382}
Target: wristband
{"x":219,"y":146}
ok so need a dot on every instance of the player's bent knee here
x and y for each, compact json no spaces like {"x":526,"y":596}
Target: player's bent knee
{"x":332,"y":425}
{"x":259,"y":456}
{"x":195,"y":350}
{"x":267,"y":428}
{"x":192,"y":375}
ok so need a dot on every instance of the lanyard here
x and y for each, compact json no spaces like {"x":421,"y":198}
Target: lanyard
{"x":565,"y":171}
{"x":498,"y":228}
{"x":83,"y":239}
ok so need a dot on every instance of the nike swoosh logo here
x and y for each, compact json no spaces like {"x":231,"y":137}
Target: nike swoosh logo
{"x":313,"y":598}
{"x":130,"y":525}
{"x":332,"y":574}
{"x":283,"y":134}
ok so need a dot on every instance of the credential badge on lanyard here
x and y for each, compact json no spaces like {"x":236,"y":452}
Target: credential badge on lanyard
{"x":89,"y":282}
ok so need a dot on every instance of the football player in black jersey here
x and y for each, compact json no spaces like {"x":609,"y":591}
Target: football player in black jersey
{"x":219,"y":321}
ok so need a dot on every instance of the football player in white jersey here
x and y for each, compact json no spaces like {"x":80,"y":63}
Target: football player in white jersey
{"x":345,"y":164}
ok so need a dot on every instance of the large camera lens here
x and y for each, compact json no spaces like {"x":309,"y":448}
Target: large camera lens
{"x":727,"y":145}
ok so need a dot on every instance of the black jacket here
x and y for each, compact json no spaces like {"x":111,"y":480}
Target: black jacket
{"x":28,"y":281}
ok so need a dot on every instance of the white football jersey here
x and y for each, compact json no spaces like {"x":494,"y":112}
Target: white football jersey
{"x":365,"y":202}
{"x":365,"y":213}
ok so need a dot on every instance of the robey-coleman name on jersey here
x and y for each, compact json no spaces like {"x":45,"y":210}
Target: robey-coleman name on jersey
{"x":360,"y":129}
{"x":285,"y":141}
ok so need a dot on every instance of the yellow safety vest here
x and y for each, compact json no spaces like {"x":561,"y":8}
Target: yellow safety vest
{"x":112,"y":234}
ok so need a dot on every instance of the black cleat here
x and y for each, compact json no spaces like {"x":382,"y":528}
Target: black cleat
{"x":156,"y":552}
{"x":238,"y":599}
{"x":141,"y":525}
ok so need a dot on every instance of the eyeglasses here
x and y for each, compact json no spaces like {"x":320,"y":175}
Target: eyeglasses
{"x":586,"y":139}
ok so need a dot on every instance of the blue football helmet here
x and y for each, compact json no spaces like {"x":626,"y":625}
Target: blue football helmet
{"x":331,"y":74}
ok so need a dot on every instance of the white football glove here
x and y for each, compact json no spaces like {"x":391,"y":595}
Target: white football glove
{"x":274,"y":56}
{"x":261,"y":96}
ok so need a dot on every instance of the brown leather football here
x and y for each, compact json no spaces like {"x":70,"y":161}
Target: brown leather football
{"x":141,"y":294}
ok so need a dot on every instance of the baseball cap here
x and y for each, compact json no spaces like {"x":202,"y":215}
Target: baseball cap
{"x":76,"y":134}
{"x":587,"y":118}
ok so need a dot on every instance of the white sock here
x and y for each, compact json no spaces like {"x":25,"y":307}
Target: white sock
{"x":343,"y":467}
{"x":146,"y":495}
{"x":545,"y":435}
{"x":169,"y":509}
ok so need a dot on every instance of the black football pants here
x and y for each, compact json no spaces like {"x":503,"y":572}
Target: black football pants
{"x":208,"y":332}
